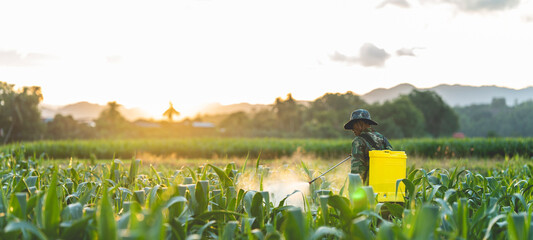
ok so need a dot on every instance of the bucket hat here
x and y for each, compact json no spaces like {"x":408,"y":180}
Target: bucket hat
{"x":359,"y":114}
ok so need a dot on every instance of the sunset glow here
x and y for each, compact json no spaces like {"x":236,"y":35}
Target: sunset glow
{"x":145,"y":54}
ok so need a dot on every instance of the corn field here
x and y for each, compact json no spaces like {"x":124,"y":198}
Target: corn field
{"x":116,"y":200}
{"x":270,"y":148}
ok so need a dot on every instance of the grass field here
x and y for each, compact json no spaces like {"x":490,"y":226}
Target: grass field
{"x":270,"y":148}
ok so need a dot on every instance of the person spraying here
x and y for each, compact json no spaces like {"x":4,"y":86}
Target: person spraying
{"x":366,"y":139}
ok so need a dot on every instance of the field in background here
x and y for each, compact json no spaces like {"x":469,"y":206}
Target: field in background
{"x":270,"y":148}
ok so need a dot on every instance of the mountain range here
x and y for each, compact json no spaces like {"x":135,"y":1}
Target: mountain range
{"x":453,"y":95}
{"x":87,"y":111}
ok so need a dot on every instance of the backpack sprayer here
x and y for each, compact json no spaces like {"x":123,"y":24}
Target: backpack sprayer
{"x":346,"y":159}
{"x":386,"y":169}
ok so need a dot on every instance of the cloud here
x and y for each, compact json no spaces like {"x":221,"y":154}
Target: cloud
{"x":528,"y":18}
{"x":114,"y":59}
{"x":369,"y":56}
{"x":397,"y":3}
{"x":14,"y":59}
{"x":339,"y":57}
{"x":483,"y":5}
{"x":407,"y":51}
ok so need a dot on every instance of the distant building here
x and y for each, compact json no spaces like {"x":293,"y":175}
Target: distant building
{"x":88,"y":121}
{"x":146,"y":124}
{"x":203,"y":125}
{"x":458,"y":135}
{"x":47,"y":120}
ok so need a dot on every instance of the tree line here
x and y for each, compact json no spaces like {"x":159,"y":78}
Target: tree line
{"x":20,"y":120}
{"x":497,"y":119}
{"x":417,"y":114}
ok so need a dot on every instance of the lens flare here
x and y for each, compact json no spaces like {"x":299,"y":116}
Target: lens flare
{"x":359,"y":200}
{"x":358,"y":195}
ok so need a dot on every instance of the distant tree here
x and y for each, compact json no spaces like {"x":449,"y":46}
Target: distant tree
{"x":198,"y":118}
{"x":441,"y":119}
{"x":398,"y":118}
{"x":317,"y":129}
{"x":518,"y":120}
{"x":498,"y":103}
{"x":171,"y":112}
{"x":327,"y":114}
{"x":263,"y":123}
{"x":20,"y":117}
{"x":110,"y":122}
{"x":339,"y":102}
{"x":497,"y":119}
{"x":492,"y":134}
{"x":289,"y":114}
{"x":236,"y":124}
{"x":66,"y":127}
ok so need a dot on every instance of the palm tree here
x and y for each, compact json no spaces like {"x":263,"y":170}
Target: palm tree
{"x":170,"y":112}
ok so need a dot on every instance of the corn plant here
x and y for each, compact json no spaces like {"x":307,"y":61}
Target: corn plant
{"x":270,"y":147}
{"x":127,"y":200}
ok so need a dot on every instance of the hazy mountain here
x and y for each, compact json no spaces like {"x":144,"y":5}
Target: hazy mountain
{"x":383,"y":94}
{"x":453,"y":95}
{"x":456,"y":95}
{"x":217,"y":108}
{"x":88,"y":111}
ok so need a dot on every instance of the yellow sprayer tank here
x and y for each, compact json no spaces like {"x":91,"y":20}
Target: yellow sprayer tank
{"x":385,"y":168}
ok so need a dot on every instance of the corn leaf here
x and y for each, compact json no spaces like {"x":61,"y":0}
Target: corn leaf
{"x":106,"y":225}
{"x":223,"y":177}
{"x":24,"y":226}
{"x":52,"y":208}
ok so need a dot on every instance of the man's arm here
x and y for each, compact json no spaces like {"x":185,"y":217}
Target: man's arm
{"x":387,"y":144}
{"x":358,"y":165}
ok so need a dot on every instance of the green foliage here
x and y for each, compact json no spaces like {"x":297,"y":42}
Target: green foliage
{"x":496,"y":119}
{"x":111,"y":123}
{"x":289,"y":114}
{"x":105,"y":218}
{"x":65,"y":127}
{"x":418,"y":114}
{"x":468,"y":147}
{"x":440,"y":119}
{"x":52,"y":207}
{"x":236,"y":124}
{"x":116,"y":201}
{"x":269,"y":148}
{"x":401,"y":118}
{"x":327,"y":114}
{"x":20,"y":118}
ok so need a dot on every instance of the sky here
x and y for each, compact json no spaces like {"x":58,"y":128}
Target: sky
{"x":194,"y":52}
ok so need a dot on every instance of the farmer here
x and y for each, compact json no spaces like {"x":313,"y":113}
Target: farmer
{"x":366,"y":139}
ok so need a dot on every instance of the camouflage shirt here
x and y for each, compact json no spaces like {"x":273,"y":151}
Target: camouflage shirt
{"x":360,"y":148}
